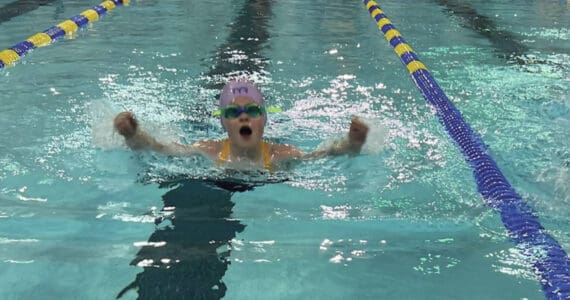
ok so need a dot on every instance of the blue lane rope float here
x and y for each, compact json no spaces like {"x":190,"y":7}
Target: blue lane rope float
{"x":548,"y":258}
{"x":66,"y":28}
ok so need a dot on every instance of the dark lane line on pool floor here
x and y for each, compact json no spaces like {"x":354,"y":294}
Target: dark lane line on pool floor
{"x":21,"y":7}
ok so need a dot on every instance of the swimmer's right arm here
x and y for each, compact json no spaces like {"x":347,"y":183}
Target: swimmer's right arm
{"x":139,"y":140}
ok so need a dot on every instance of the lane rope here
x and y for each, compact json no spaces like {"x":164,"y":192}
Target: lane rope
{"x":8,"y":57}
{"x":548,"y":258}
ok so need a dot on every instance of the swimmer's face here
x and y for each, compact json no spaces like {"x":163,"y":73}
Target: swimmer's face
{"x":244,"y":131}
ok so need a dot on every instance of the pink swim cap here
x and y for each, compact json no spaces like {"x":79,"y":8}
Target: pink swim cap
{"x":240,"y":88}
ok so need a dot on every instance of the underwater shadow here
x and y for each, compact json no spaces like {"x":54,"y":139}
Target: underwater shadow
{"x":185,"y":257}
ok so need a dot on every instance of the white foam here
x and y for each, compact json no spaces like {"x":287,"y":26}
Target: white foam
{"x":102,"y":114}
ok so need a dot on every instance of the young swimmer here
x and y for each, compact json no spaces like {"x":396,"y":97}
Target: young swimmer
{"x":243,"y":116}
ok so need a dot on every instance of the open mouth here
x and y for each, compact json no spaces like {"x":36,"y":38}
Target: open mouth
{"x":245,"y":131}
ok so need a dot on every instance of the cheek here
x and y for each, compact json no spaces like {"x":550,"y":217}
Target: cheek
{"x":262,"y":127}
{"x":227,"y":124}
{"x":259,"y":123}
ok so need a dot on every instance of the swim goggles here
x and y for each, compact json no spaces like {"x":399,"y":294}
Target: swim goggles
{"x":252,"y":110}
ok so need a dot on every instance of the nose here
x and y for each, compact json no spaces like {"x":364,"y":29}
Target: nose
{"x":243,"y":117}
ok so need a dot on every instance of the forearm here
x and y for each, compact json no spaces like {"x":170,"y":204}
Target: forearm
{"x":142,"y":141}
{"x":345,"y":146}
{"x":340,"y":147}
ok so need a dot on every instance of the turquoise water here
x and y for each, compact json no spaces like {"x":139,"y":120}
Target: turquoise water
{"x":401,"y":221}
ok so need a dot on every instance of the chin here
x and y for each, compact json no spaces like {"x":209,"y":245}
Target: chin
{"x":250,"y":143}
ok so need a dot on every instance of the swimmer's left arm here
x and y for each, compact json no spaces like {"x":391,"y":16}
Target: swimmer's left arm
{"x":351,"y":145}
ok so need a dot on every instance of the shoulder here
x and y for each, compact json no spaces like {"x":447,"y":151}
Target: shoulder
{"x":283,"y":151}
{"x":212,"y":147}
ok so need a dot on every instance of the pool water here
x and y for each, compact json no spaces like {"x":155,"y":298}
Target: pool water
{"x":83,"y":217}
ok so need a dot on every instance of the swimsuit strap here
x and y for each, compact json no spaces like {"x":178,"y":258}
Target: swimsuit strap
{"x":225,"y":154}
{"x":266,"y":155}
